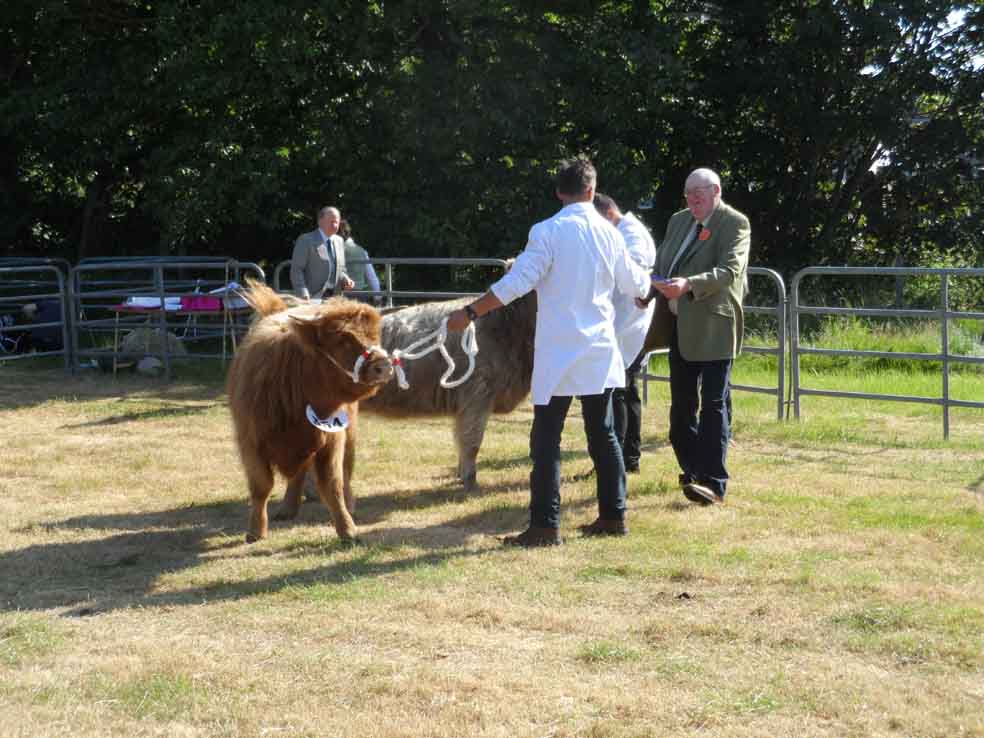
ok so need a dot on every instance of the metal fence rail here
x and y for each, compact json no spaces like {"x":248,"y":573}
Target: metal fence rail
{"x":112,"y":297}
{"x":25,"y":282}
{"x":388,"y":293}
{"x":943,"y":314}
{"x":89,"y":297}
{"x":778,"y":312}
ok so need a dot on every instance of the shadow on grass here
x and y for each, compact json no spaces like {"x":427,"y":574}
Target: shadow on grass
{"x":123,"y":570}
{"x":117,"y":570}
{"x":21,"y":387}
{"x":378,"y":507}
{"x":156,"y":414}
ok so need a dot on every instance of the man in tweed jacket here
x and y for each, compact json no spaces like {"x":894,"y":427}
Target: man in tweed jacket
{"x":703,"y":261}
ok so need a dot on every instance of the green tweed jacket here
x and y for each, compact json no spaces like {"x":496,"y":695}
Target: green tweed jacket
{"x":710,"y":319}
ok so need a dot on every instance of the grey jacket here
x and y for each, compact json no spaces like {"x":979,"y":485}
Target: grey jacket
{"x":317,"y":268}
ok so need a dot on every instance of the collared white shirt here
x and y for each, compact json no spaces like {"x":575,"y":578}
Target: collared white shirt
{"x":691,"y":235}
{"x":631,"y":323}
{"x":574,"y":260}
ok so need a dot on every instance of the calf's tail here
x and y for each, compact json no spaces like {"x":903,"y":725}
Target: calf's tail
{"x":263,"y":299}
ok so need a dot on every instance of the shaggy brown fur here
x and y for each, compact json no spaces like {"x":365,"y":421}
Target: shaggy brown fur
{"x":291,"y":358}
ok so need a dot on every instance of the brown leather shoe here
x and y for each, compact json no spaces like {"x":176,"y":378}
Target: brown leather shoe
{"x":534,"y":537}
{"x":700,"y":494}
{"x":602,"y":527}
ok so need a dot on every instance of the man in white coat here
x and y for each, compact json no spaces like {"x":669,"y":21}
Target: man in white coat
{"x":575,"y":261}
{"x":631,"y":325}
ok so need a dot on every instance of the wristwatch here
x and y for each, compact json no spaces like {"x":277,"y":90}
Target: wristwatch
{"x":470,"y":312}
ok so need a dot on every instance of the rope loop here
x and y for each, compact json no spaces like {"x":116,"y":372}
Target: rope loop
{"x":432,"y":342}
{"x":435,"y":342}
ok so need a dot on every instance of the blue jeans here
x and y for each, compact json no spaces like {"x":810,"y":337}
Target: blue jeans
{"x":548,"y":425}
{"x":699,"y":417}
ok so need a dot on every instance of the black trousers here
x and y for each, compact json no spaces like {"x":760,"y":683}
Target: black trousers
{"x":627,"y":409}
{"x":700,"y":421}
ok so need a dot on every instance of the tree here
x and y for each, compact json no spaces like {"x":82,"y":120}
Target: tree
{"x":841,"y":127}
{"x":798,"y":102}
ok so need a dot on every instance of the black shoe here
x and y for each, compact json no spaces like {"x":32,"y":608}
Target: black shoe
{"x":631,"y":467}
{"x":685,"y":479}
{"x":701,"y":494}
{"x":601,"y":527}
{"x":534,"y":537}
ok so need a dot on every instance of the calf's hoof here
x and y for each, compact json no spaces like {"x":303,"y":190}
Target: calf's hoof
{"x":253,"y":537}
{"x":347,"y":535}
{"x":470,"y":482}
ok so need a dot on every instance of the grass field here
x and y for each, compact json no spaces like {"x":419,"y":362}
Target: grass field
{"x":839,"y":592}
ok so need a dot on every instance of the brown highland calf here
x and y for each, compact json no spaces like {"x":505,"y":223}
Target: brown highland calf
{"x":293,"y":359}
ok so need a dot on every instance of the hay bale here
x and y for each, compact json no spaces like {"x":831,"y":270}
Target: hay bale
{"x":146,"y":341}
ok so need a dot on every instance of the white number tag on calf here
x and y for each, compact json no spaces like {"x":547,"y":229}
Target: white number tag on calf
{"x":334,"y":423}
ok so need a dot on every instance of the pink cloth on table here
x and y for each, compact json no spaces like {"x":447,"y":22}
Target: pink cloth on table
{"x":201,"y":303}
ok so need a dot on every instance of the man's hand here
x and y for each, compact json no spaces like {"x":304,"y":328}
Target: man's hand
{"x":347,"y":283}
{"x":672,"y":289}
{"x":458,"y":321}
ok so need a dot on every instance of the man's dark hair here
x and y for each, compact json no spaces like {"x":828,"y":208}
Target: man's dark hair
{"x":603,"y":203}
{"x":576,"y":176}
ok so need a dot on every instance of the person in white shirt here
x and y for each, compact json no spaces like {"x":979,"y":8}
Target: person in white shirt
{"x":631,"y":325}
{"x":575,"y":261}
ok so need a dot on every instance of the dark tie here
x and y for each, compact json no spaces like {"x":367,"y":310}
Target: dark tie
{"x":686,"y":249}
{"x":331,"y":259}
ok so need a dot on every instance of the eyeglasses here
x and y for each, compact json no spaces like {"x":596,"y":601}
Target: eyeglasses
{"x":691,"y":192}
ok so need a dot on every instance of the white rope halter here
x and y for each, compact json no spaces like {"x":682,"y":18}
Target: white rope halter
{"x":469,"y":344}
{"x":362,"y":360}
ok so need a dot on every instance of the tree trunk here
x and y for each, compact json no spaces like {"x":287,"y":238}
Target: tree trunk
{"x":90,"y":213}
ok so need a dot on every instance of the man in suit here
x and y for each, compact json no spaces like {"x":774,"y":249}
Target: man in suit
{"x":317,"y":264}
{"x":703,"y":261}
{"x":631,"y":324}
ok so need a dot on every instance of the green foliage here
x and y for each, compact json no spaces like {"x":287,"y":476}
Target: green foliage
{"x":847,"y":131}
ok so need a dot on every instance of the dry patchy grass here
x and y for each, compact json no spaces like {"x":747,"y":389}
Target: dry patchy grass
{"x":840,"y":591}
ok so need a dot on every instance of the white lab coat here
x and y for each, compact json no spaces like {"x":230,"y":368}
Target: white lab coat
{"x":574,"y":260}
{"x":631,"y":323}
